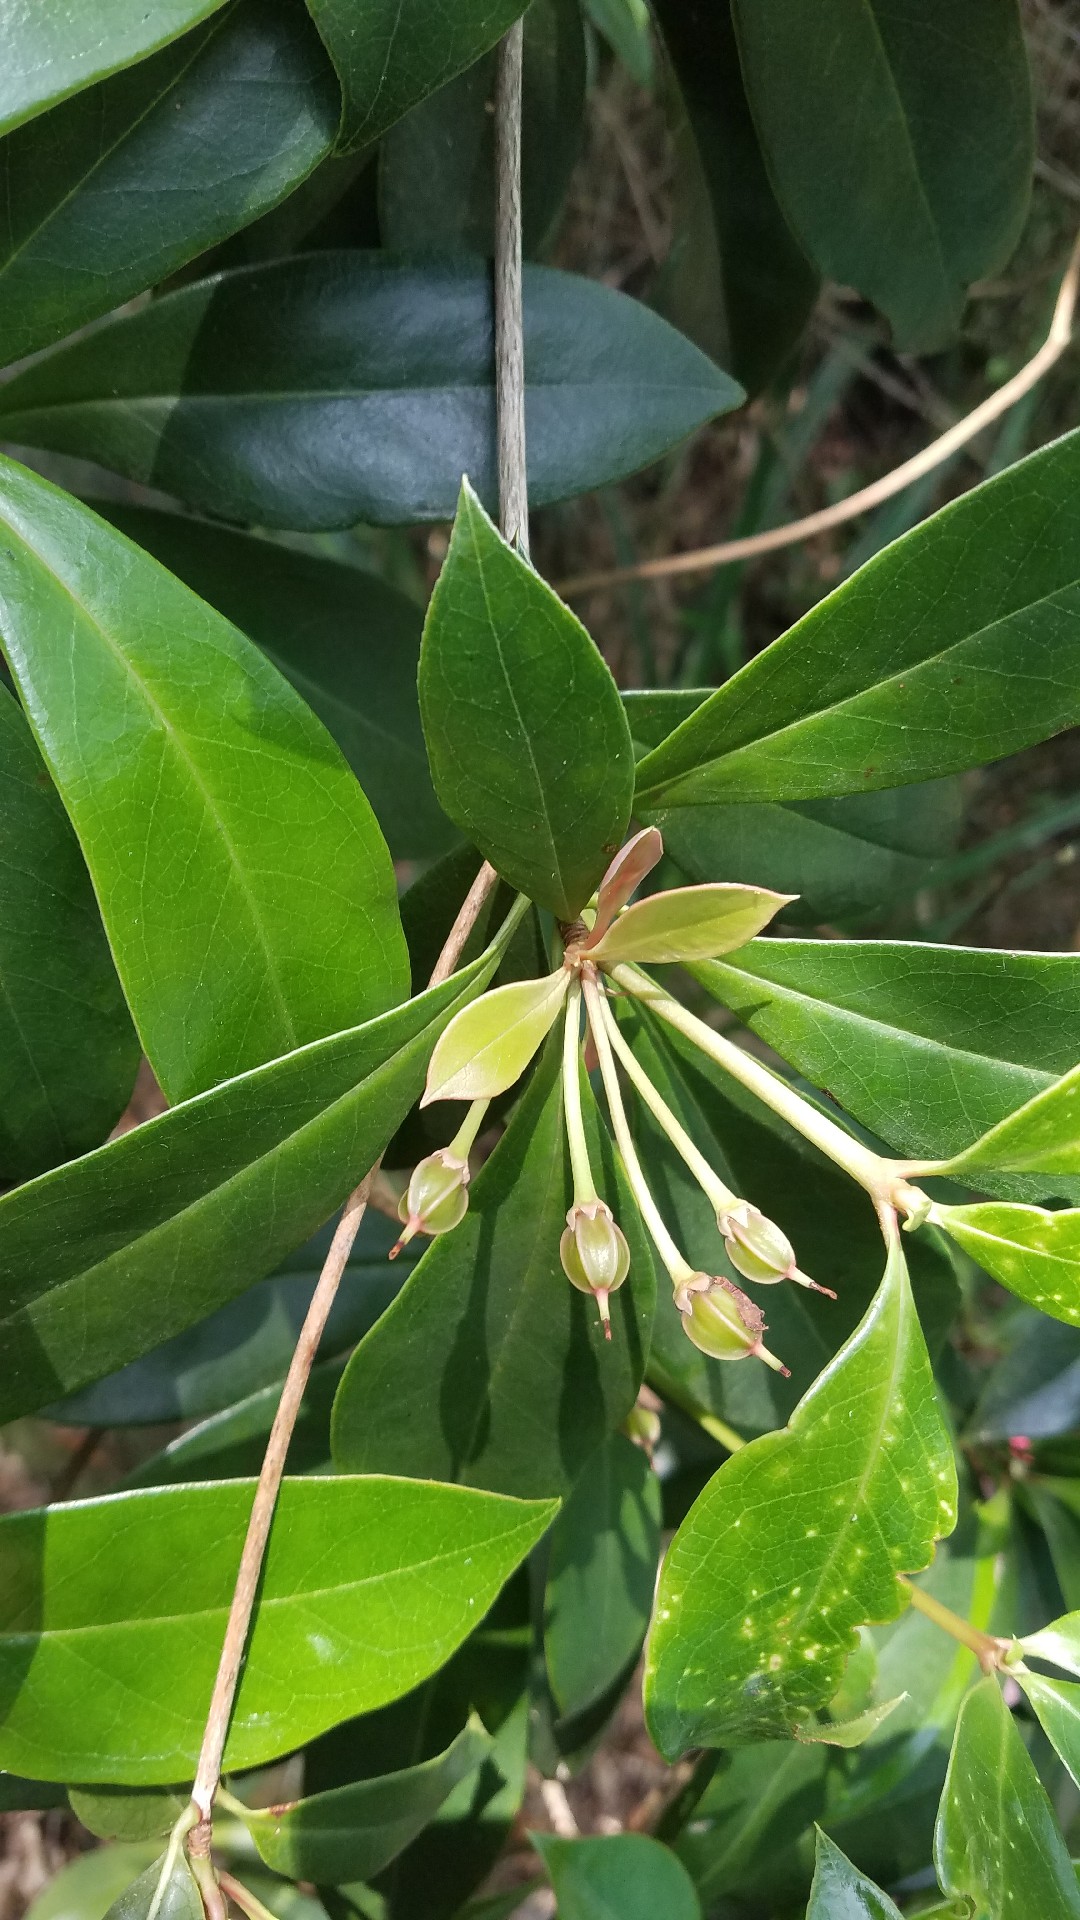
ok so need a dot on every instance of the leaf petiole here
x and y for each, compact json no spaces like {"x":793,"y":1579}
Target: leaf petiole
{"x":990,"y":1651}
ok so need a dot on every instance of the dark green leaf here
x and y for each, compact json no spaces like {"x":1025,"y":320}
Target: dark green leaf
{"x":52,"y":51}
{"x":748,"y":1833}
{"x":87,"y":1887}
{"x":437,"y":168}
{"x":118,"y":1813}
{"x":1052,"y":1505}
{"x":923,"y":1044}
{"x":1036,"y":1254}
{"x":1034,"y":1389}
{"x":68,"y":1051}
{"x":230,"y":1445}
{"x":997,"y":1842}
{"x":490,"y":1368}
{"x":211,"y":1195}
{"x":115,"y":1610}
{"x":123,"y":184}
{"x":624,"y":1876}
{"x":529,"y":747}
{"x":959,"y":643}
{"x":370,"y":392}
{"x":625,"y":25}
{"x":737,"y":282}
{"x":246,"y":890}
{"x":839,"y":1892}
{"x":353,"y":1832}
{"x":901,"y":154}
{"x":604,"y":1550}
{"x":18,"y":1796}
{"x":167,"y":1888}
{"x":348,"y":642}
{"x":798,"y":1540}
{"x":391,"y":53}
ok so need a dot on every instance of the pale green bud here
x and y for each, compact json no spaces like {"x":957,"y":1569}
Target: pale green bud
{"x":722,"y":1322}
{"x":759,"y":1250}
{"x":436,"y":1199}
{"x":594,"y":1254}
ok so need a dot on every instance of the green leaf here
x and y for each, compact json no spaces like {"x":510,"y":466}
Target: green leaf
{"x":437,"y":164}
{"x":1057,"y":1705}
{"x":88,"y":1886}
{"x":604,"y":1550}
{"x":862,"y":693}
{"x":747,"y":1834}
{"x":529,"y":747}
{"x":1036,"y":1254}
{"x":997,"y":1842}
{"x":798,"y":1539}
{"x":354,"y":1832}
{"x":369,"y":1585}
{"x":245,"y":887}
{"x":902,"y":156}
{"x":736,"y":280}
{"x":370,"y":392}
{"x":122,"y":185}
{"x":391,"y":53}
{"x":214,"y":1194}
{"x":231,"y":1445}
{"x":625,"y":25}
{"x":685,"y":924}
{"x":167,"y":1889}
{"x":118,"y":1813}
{"x":347,"y":640}
{"x":923,"y":1044}
{"x":490,"y":1368}
{"x":52,"y":51}
{"x":623,"y":1876}
{"x":1059,"y":1643}
{"x":487,"y":1047}
{"x":1042,"y":1136}
{"x":68,"y":1051}
{"x":840,"y":1892}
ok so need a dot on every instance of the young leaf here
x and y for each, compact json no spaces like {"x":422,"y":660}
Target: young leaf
{"x":214,"y":1194}
{"x":1057,"y":1705}
{"x":1059,"y":1643}
{"x":529,"y":747}
{"x":901,"y":156}
{"x":353,"y":1832}
{"x":605,"y":1546}
{"x":624,"y":1874}
{"x":166,"y":1891}
{"x":1042,"y":1136}
{"x":121,"y":185}
{"x":798,"y":1540}
{"x":689,"y":923}
{"x":391,"y":53}
{"x":50,"y":52}
{"x":137,"y":1586}
{"x":997,"y":1843}
{"x":490,"y":1368}
{"x":1034,"y":1253}
{"x":245,"y":887}
{"x":840,"y":1892}
{"x":68,"y":1051}
{"x":923,"y":1044}
{"x":489,"y":1044}
{"x":978,"y":602}
{"x":370,"y":393}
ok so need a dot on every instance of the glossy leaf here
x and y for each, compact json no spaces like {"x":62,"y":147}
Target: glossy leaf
{"x":622,"y":1874}
{"x":1057,"y":1705}
{"x":355,"y":1831}
{"x":604,"y":1550}
{"x":244,"y":884}
{"x":997,"y":1842}
{"x":135,"y":1588}
{"x":923,"y":1044}
{"x":689,"y":923}
{"x":840,"y":1892}
{"x":979,"y":604}
{"x":1059,"y":1643}
{"x":213,"y":1194}
{"x":490,"y":1368}
{"x":347,"y":640}
{"x":370,"y":394}
{"x":487,"y":1047}
{"x":68,"y":1051}
{"x":54,"y":50}
{"x":118,"y":187}
{"x":166,"y":1889}
{"x":902,"y":157}
{"x":1034,"y":1253}
{"x":798,"y":1539}
{"x":529,"y":747}
{"x":391,"y":53}
{"x":1043,"y":1136}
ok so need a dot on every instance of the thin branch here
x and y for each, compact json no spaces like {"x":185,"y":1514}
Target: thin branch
{"x":509,"y":333}
{"x":704,"y":559}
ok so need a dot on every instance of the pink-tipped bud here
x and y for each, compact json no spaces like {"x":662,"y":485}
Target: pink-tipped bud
{"x":436,"y":1198}
{"x":759,"y":1251}
{"x":594,"y":1254}
{"x":719,"y":1319}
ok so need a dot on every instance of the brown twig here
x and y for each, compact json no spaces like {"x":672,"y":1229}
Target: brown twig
{"x":509,"y":334}
{"x":704,"y":559}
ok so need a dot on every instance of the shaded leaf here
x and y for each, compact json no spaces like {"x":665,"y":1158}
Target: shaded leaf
{"x":370,"y":393}
{"x":625,"y":26}
{"x":230,"y":1445}
{"x":87,"y":1887}
{"x":839,"y":1892}
{"x":167,"y":1889}
{"x":117,"y":1813}
{"x":245,"y":887}
{"x":1034,"y":1253}
{"x":626,"y":1875}
{"x":136,"y":1587}
{"x":52,"y":51}
{"x":798,"y":1539}
{"x":391,"y":53}
{"x":604,"y":1550}
{"x":1034,"y":1389}
{"x":529,"y":747}
{"x":487,"y":1047}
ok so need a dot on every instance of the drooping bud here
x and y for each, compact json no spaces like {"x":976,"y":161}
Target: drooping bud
{"x":436,"y":1198}
{"x":594,"y":1254}
{"x":719,"y":1319}
{"x":759,"y":1251}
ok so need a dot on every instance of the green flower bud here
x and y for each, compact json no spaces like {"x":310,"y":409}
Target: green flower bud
{"x":594,"y":1254}
{"x":719,"y":1319}
{"x":436,"y":1198}
{"x":758,"y":1250}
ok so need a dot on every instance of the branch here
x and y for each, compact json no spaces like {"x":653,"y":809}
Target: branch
{"x":509,"y":324}
{"x":704,"y":559}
